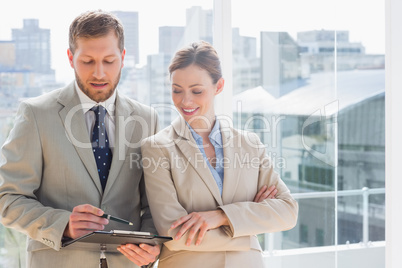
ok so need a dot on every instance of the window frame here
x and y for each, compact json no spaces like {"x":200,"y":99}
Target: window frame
{"x":393,"y":129}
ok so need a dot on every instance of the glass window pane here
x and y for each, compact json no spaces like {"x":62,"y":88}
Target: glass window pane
{"x":361,"y":128}
{"x":308,"y":77}
{"x":291,"y":102}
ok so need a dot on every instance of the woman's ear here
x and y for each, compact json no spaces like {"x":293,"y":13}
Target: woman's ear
{"x":219,"y":86}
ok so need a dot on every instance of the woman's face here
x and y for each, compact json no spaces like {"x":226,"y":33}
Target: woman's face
{"x":193,"y":93}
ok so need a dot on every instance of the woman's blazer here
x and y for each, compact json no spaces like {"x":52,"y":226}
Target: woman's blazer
{"x":178,"y":182}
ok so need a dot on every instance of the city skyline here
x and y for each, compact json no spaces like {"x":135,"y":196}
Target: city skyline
{"x":13,"y":15}
{"x":168,"y":14}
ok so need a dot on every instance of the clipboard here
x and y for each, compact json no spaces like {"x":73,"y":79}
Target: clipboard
{"x":116,"y":238}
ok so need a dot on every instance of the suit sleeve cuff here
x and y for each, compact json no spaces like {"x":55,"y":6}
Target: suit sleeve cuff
{"x":228,"y":229}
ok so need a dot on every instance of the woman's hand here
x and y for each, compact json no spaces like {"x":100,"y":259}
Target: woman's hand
{"x":141,"y":254}
{"x":265,"y":193}
{"x":199,"y":222}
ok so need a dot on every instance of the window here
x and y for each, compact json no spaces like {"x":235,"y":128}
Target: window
{"x":323,"y":75}
{"x":308,"y":78}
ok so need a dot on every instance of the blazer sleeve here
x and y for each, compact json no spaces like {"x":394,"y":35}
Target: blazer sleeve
{"x":147,"y":224}
{"x":270,"y":215}
{"x":20,"y":176}
{"x":166,"y":208}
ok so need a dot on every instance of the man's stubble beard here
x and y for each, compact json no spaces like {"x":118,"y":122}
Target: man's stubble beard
{"x":96,"y":97}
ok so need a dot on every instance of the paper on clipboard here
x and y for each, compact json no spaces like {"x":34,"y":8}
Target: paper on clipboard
{"x":116,"y":238}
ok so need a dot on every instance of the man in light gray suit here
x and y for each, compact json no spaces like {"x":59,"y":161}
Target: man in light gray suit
{"x":55,"y":179}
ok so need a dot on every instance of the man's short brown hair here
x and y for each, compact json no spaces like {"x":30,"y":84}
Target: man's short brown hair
{"x":95,"y":24}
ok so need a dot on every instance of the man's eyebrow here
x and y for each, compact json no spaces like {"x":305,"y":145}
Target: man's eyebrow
{"x":107,"y":56}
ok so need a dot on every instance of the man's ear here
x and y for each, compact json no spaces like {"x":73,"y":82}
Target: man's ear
{"x":219,"y":86}
{"x":123,"y":54}
{"x":70,"y":57}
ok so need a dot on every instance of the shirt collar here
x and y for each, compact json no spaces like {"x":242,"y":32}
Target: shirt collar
{"x":87,"y":103}
{"x":215,"y":136}
{"x":196,"y":137}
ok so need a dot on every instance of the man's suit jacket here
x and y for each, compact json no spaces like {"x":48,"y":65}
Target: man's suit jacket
{"x":180,"y":182}
{"x":48,"y":168}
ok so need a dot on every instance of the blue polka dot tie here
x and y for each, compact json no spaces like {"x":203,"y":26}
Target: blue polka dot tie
{"x":100,"y":145}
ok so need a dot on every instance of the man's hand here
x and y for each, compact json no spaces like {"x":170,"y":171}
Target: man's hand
{"x":199,"y":222}
{"x":141,"y":255}
{"x":85,"y":219}
{"x":265,"y":193}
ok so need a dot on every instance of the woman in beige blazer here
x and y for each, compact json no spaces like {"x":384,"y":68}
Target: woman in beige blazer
{"x":207,"y":183}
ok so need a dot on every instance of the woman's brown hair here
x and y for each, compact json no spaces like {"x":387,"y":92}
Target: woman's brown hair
{"x":201,"y":54}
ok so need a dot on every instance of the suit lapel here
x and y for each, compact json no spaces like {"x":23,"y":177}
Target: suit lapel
{"x":73,"y":120}
{"x":126,"y":135}
{"x":192,"y":153}
{"x":232,"y":152}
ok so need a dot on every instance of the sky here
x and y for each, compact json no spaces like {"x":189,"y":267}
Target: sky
{"x":364,"y":19}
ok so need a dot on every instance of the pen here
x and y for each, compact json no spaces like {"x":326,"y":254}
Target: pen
{"x":113,"y":218}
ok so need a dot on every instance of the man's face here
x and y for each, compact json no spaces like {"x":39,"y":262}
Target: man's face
{"x":97,"y":64}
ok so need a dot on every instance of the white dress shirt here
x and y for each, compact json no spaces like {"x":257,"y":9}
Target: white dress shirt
{"x":87,"y":104}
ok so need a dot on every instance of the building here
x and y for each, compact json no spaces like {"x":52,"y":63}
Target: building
{"x":7,"y":55}
{"x":316,"y":42}
{"x":198,"y":25}
{"x":130,"y":23}
{"x":280,"y":70}
{"x":171,"y":39}
{"x":286,"y":64}
{"x":301,"y":142}
{"x":25,"y":64}
{"x":159,"y":88}
{"x":246,"y":65}
{"x":317,"y":50}
{"x":32,"y":47}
